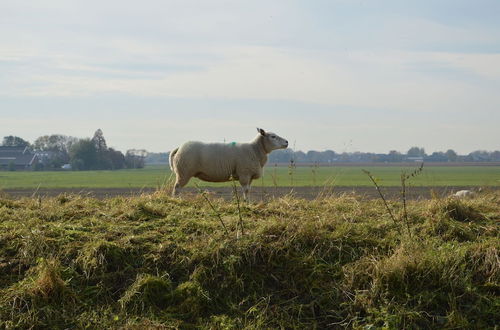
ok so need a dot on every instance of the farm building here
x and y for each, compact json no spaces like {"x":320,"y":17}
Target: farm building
{"x":17,"y":158}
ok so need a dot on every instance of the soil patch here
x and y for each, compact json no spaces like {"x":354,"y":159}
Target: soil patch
{"x":257,"y":193}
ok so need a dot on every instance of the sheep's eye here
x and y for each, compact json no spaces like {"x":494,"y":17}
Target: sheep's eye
{"x":273,"y":136}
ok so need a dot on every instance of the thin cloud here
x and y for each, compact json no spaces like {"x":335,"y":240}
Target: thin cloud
{"x":349,"y":58}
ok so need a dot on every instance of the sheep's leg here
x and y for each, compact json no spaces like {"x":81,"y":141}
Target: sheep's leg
{"x":245,"y":185}
{"x":176,"y":190}
{"x":179,"y":183}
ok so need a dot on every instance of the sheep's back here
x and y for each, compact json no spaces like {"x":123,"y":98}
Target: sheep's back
{"x":209,"y":161}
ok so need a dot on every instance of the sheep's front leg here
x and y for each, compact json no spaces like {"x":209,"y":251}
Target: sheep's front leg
{"x":245,"y":185}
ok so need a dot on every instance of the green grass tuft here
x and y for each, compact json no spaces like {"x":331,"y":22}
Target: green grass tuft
{"x":147,"y":292}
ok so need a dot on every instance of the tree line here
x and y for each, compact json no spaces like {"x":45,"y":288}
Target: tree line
{"x":330,"y":156}
{"x":393,"y":156}
{"x":56,"y":151}
{"x":60,"y":151}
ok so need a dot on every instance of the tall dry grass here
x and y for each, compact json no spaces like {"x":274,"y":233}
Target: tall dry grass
{"x":153,"y":261}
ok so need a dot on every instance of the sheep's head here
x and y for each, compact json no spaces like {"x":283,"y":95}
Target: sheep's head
{"x":271,"y":141}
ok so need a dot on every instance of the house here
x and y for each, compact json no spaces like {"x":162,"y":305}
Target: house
{"x":18,"y":158}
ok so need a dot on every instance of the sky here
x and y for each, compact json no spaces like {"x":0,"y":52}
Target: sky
{"x":345,"y":75}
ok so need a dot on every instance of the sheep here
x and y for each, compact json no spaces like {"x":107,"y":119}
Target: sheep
{"x":464,"y":194}
{"x":220,"y":162}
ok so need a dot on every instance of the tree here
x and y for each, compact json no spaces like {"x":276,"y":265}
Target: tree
{"x":94,"y":154}
{"x":14,"y":141}
{"x":134,"y":158}
{"x":99,"y":141}
{"x":344,"y":157}
{"x":157,"y":158}
{"x":451,"y":155}
{"x":54,"y":149}
{"x":117,"y":159}
{"x":416,"y":152}
{"x":479,"y":156}
{"x":313,"y":156}
{"x":54,"y":142}
{"x":437,"y":156}
{"x":394,"y":156}
{"x":83,"y":155}
{"x":329,"y":155}
{"x":103,"y":161}
{"x":495,"y":156}
{"x":281,"y":156}
{"x":297,"y":156}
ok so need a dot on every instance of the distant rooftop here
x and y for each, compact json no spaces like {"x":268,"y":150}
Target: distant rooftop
{"x":7,"y":149}
{"x":19,"y":156}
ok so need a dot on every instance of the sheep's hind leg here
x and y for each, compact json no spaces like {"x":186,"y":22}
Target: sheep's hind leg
{"x":179,"y":183}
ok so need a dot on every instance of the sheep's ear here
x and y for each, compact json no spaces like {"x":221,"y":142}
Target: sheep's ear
{"x":261,"y":131}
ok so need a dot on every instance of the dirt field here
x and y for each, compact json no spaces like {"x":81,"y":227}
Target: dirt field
{"x":257,"y":193}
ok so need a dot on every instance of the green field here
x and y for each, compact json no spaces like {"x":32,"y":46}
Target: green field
{"x":156,"y":176}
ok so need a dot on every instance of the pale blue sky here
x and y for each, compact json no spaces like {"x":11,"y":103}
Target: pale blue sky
{"x":342,"y":75}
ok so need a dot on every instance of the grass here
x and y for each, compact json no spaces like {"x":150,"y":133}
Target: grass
{"x":156,"y":176}
{"x":152,"y":261}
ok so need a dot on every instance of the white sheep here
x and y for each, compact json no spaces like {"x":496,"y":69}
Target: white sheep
{"x":464,"y":194}
{"x":219,"y":162}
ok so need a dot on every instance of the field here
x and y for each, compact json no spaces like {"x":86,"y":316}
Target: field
{"x":154,"y":262}
{"x":343,"y":176}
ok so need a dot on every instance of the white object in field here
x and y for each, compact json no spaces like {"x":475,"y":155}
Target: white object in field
{"x":464,"y":193}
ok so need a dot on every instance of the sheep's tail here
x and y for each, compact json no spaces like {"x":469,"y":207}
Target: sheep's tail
{"x":171,"y":158}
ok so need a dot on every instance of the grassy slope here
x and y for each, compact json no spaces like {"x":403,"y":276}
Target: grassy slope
{"x":153,"y":261}
{"x":156,"y":176}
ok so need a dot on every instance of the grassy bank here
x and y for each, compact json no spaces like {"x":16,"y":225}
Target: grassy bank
{"x":156,"y":176}
{"x":153,"y":261}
